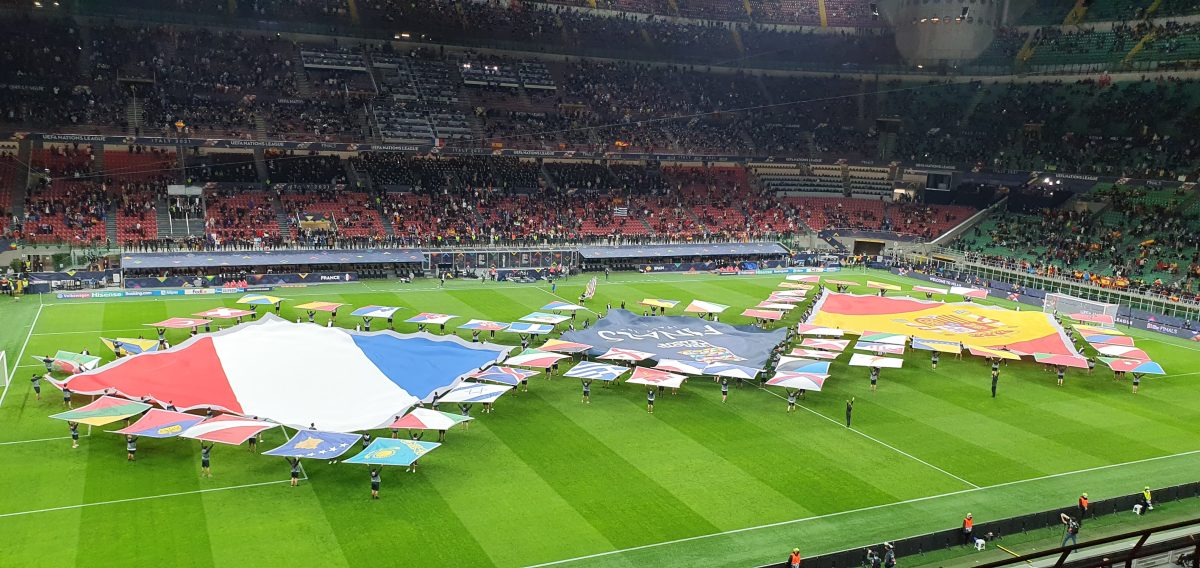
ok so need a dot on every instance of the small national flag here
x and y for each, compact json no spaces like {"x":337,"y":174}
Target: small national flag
{"x":484,"y":325}
{"x":180,"y":323}
{"x":830,"y":344}
{"x":71,"y":363}
{"x":654,"y":377}
{"x":795,"y":365}
{"x":560,"y":346}
{"x":813,"y":353}
{"x":535,"y":358}
{"x":730,"y":370}
{"x":159,"y":423}
{"x":224,"y":313}
{"x":226,"y":429}
{"x":620,"y":211}
{"x":596,"y":371}
{"x":618,"y":354}
{"x":104,"y":410}
{"x":681,"y":367}
{"x":426,"y":419}
{"x":1133,"y":365}
{"x":320,"y":306}
{"x":388,"y":451}
{"x":1122,"y":352}
{"x":803,"y":381}
{"x":474,"y":392}
{"x":863,"y":360}
{"x":542,"y":317}
{"x":502,"y":375}
{"x":130,"y":346}
{"x":530,"y":328}
{"x":375,"y":311}
{"x":562,"y":306}
{"x":430,"y":318}
{"x":315,"y":444}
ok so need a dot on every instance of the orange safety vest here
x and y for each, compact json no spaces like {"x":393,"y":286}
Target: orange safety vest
{"x":1083,"y":503}
{"x":968,"y":524}
{"x":794,"y":559}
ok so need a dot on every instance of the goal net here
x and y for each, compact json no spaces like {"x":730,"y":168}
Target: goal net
{"x":1064,"y":304}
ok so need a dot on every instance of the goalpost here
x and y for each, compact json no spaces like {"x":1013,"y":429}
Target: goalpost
{"x":1064,"y":304}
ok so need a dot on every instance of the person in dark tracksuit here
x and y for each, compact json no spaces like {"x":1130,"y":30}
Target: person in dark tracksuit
{"x":849,"y":411}
{"x":295,"y":463}
{"x":375,"y":483}
{"x":74,"y":426}
{"x":995,"y":374}
{"x":37,"y":385}
{"x":130,"y":448}
{"x":724,"y":389}
{"x":205,"y":453}
{"x":650,"y":400}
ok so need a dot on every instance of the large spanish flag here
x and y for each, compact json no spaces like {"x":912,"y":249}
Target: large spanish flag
{"x":968,"y":323}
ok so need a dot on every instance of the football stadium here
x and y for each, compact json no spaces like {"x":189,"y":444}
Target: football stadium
{"x":600,"y":283}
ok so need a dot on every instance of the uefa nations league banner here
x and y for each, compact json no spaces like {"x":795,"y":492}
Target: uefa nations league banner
{"x":251,"y":279}
{"x":680,"y":337}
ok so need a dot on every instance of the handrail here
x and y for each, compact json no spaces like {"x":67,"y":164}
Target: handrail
{"x":1066,"y":550}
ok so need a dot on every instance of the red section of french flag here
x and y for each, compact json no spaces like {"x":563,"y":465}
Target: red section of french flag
{"x":188,"y":378}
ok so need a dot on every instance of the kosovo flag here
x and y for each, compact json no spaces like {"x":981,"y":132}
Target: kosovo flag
{"x":315,"y":444}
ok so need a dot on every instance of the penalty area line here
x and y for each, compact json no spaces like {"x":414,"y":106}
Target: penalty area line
{"x":859,"y":510}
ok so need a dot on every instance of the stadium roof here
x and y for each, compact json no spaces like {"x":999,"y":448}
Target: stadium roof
{"x":669,"y":251}
{"x":189,"y":259}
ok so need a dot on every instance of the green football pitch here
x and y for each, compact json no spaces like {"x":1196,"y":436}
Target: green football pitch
{"x":546,"y":480}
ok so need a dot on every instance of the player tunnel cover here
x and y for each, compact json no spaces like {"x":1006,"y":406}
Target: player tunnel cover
{"x":297,"y":374}
{"x":680,"y":337}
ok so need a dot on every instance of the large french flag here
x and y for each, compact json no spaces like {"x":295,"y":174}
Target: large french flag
{"x":297,"y":374}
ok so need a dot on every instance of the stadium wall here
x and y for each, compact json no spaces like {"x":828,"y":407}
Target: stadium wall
{"x":944,"y":539}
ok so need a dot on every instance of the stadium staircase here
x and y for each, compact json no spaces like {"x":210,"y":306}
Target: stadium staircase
{"x":1076,"y":14}
{"x":260,"y":164}
{"x":110,"y":224}
{"x":550,"y":183}
{"x":171,"y":228}
{"x":134,"y":116}
{"x":281,"y":217}
{"x":303,"y":88}
{"x":1025,"y":53}
{"x":1141,"y":44}
{"x":737,"y":40}
{"x":21,"y":181}
{"x":260,"y":127}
